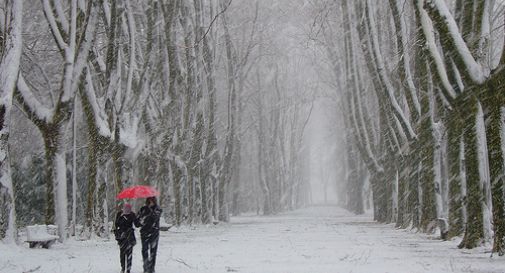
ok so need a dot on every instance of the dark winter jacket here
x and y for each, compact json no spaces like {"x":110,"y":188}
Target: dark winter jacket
{"x":149,"y":219}
{"x":124,"y":231}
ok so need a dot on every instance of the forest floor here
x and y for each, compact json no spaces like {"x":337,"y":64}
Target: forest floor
{"x":312,"y":240}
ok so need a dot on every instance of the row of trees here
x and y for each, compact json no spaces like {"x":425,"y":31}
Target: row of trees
{"x":422,"y":88}
{"x":166,"y":93}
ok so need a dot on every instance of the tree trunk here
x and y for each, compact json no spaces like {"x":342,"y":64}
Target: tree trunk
{"x":427,"y":156}
{"x":474,"y":231}
{"x":229,"y":150}
{"x":56,"y":177}
{"x":10,"y":54}
{"x":456,"y":197}
{"x":405,"y":167}
{"x":236,"y":183}
{"x":176,"y":184}
{"x":92,"y":179}
{"x":493,"y":102}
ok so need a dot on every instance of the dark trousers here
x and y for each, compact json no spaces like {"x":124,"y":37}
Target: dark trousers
{"x":149,"y":249}
{"x":125,"y":255}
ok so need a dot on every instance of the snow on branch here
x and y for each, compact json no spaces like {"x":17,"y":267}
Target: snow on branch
{"x":38,"y":109}
{"x":9,"y":70}
{"x":132,"y":49}
{"x":429,"y":34}
{"x":107,"y":12}
{"x":60,"y":11}
{"x":48,"y":12}
{"x":9,"y":66}
{"x":360,"y":126}
{"x":382,"y":71}
{"x":2,"y":21}
{"x":128,"y":133}
{"x":477,"y":72}
{"x":97,"y":108}
{"x":397,"y":6}
{"x":70,"y":57}
{"x":84,"y":48}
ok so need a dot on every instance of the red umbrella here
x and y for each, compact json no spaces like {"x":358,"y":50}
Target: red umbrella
{"x":139,"y":191}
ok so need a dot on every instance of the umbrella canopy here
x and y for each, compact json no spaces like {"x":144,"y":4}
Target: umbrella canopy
{"x":139,"y":191}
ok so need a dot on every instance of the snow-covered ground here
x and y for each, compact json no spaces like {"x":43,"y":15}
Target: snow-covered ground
{"x":313,"y":240}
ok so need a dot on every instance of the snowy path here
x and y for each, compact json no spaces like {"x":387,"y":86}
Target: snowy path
{"x":312,"y":240}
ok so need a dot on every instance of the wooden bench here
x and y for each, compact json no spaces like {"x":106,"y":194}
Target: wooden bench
{"x":37,"y":235}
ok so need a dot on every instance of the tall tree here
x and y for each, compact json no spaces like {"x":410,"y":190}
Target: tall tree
{"x":10,"y":56}
{"x":73,"y":34}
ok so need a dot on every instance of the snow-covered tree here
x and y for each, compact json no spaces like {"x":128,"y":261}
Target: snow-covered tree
{"x":11,"y":17}
{"x":435,"y":68}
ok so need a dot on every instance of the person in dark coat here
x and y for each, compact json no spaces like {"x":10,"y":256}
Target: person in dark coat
{"x":149,"y":219}
{"x":125,"y":236}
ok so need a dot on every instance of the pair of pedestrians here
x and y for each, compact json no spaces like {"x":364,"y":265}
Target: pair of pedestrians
{"x":148,"y":220}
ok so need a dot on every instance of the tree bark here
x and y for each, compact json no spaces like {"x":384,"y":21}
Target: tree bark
{"x":474,"y":232}
{"x":10,"y":56}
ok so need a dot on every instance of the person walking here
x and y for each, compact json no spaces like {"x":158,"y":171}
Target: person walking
{"x":125,"y":236}
{"x":149,"y":220}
